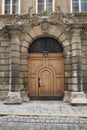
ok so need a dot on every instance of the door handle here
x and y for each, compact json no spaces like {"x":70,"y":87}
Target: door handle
{"x":39,"y":82}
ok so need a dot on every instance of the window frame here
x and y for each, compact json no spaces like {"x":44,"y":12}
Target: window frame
{"x":53,"y":7}
{"x":3,"y":8}
{"x":79,"y":7}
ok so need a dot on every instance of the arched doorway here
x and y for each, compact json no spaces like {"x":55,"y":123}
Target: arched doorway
{"x":45,"y":68}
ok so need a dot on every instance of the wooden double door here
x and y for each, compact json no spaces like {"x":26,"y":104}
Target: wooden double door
{"x":45,"y":74}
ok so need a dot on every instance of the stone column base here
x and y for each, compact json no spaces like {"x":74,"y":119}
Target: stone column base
{"x":78,"y":98}
{"x":13,"y":98}
{"x":67,"y":95}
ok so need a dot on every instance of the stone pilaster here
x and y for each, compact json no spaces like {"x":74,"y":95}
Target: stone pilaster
{"x":77,"y":94}
{"x":77,"y":82}
{"x":14,"y":61}
{"x":14,"y":96}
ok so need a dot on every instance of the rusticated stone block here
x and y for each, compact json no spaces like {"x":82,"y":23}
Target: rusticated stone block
{"x":76,"y":39}
{"x":23,"y":49}
{"x":69,"y":87}
{"x":76,"y":53}
{"x":85,"y":80}
{"x":14,"y":74}
{"x":76,"y":59}
{"x":5,"y":55}
{"x":51,"y":30}
{"x":84,"y":60}
{"x":15,"y":67}
{"x":4,"y":80}
{"x":64,"y":37}
{"x":4,"y":87}
{"x":5,"y":43}
{"x":76,"y":46}
{"x":4,"y":67}
{"x":38,"y":30}
{"x":68,"y":80}
{"x":28,"y":38}
{"x":84,"y":42}
{"x":24,"y":62}
{"x":2,"y":61}
{"x":2,"y":49}
{"x":15,"y":54}
{"x":85,"y":73}
{"x":32,"y":33}
{"x":84,"y":67}
{"x":2,"y":74}
{"x":58,"y":32}
{"x":85,"y":86}
{"x":15,"y":47}
{"x":66,"y":43}
{"x":79,"y":73}
{"x":67,"y":48}
{"x":84,"y":54}
{"x":76,"y":66}
{"x":75,"y":87}
{"x":75,"y":80}
{"x":24,"y":68}
{"x":67,"y":60}
{"x":14,"y":60}
{"x":67,"y":67}
{"x":24,"y":55}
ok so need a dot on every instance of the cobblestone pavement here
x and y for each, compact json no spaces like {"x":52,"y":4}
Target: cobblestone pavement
{"x":43,"y":115}
{"x":13,"y":122}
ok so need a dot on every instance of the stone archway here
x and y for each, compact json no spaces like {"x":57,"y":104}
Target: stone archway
{"x":54,"y":31}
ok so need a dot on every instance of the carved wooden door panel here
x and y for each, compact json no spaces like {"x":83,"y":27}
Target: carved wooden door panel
{"x":56,"y":63}
{"x":45,"y":75}
{"x":45,"y":82}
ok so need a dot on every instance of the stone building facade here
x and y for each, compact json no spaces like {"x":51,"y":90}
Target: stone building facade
{"x":19,"y":32}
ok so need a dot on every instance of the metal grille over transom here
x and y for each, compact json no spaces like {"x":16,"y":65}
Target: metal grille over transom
{"x":45,"y":44}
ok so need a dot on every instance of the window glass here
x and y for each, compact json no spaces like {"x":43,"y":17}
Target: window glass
{"x":15,"y":6}
{"x":83,"y":5}
{"x":49,"y":5}
{"x":75,"y":5}
{"x":11,"y":7}
{"x":79,"y":5}
{"x":40,"y":6}
{"x":43,"y":5}
{"x":7,"y":6}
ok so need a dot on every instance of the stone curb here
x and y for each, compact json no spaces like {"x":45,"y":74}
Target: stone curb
{"x":38,"y":114}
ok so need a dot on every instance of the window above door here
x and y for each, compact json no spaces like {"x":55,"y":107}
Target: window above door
{"x":11,"y":7}
{"x":78,"y":5}
{"x":44,"y":5}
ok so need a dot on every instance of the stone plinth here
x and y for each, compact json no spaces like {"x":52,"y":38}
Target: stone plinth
{"x":78,"y":98}
{"x":13,"y":98}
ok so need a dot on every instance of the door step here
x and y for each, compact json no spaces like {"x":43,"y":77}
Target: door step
{"x":46,"y":97}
